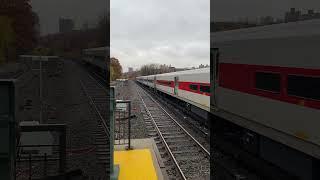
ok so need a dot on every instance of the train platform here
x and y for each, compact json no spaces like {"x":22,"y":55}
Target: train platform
{"x":142,"y":162}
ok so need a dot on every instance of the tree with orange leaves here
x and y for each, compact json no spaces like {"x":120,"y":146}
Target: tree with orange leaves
{"x":115,"y":69}
{"x":7,"y":38}
{"x":24,"y":23}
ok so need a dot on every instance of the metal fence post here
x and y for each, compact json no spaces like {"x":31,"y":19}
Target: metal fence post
{"x":112,"y":109}
{"x":62,"y":150}
{"x":129,"y":125}
{"x":30,"y":167}
{"x":45,"y":165}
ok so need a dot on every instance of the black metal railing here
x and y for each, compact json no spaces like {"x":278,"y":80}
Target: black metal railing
{"x":122,"y":128}
{"x":41,"y":160}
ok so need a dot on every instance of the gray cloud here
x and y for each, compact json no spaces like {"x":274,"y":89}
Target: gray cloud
{"x":167,"y":32}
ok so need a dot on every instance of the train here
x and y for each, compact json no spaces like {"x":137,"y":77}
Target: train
{"x":265,"y":98}
{"x":190,"y":87}
{"x":260,"y":97}
{"x":96,"y":59}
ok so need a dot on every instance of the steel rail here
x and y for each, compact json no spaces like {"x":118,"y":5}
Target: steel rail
{"x":197,"y":142}
{"x":100,"y":77}
{"x":98,"y":83}
{"x":105,"y":127}
{"x":163,"y":140}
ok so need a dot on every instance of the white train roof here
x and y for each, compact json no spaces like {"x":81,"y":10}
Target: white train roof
{"x":299,"y":28}
{"x":97,"y":49}
{"x":192,"y":71}
{"x":38,"y":57}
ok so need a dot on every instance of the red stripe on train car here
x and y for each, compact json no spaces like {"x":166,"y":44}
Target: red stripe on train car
{"x":165,"y":83}
{"x":186,"y":87}
{"x":241,"y":77}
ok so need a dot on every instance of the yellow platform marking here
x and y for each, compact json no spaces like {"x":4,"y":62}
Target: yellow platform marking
{"x":302,"y":135}
{"x":135,"y":165}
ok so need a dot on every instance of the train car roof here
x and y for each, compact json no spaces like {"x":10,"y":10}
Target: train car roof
{"x":97,"y":49}
{"x":36,"y":56}
{"x":192,"y":71}
{"x":299,"y":28}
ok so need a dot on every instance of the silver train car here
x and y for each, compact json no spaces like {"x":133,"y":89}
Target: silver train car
{"x":265,"y":97}
{"x":191,"y":87}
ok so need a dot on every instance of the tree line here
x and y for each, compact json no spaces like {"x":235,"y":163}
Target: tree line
{"x":150,"y":69}
{"x":18,"y":29}
{"x":116,"y":71}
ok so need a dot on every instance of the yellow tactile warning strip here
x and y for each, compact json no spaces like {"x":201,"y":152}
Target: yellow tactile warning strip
{"x":135,"y":165}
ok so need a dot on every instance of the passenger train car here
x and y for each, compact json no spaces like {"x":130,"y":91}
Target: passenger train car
{"x":96,"y":58}
{"x":265,"y":98}
{"x":190,"y":86}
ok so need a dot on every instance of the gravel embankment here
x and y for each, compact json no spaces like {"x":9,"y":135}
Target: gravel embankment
{"x":129,"y":92}
{"x":64,"y":103}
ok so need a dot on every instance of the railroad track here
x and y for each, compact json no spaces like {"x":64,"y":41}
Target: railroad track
{"x":184,"y":156}
{"x":97,"y":95}
{"x":99,"y":78}
{"x":186,"y":116}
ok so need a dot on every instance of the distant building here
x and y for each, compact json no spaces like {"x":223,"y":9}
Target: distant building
{"x":130,"y":69}
{"x":278,"y":21}
{"x":266,"y":20}
{"x":85,"y":26}
{"x":172,"y":69}
{"x":292,"y":15}
{"x":65,"y":25}
{"x":310,"y":15}
{"x":36,"y":25}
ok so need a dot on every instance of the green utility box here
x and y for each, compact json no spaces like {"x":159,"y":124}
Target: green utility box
{"x":7,"y":130}
{"x":114,"y":169}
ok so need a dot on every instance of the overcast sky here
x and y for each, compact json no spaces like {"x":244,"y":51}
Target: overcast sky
{"x":175,"y":32}
{"x":80,"y":11}
{"x":172,"y":32}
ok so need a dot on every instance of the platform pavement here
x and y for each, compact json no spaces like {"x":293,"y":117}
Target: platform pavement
{"x":147,"y":143}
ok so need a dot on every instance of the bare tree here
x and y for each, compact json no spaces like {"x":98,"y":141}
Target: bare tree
{"x":150,"y":69}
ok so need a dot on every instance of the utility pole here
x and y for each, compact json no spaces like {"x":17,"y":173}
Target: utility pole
{"x":40,"y":89}
{"x":40,"y":58}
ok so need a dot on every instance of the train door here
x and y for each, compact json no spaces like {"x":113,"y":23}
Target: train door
{"x":176,"y":85}
{"x":155,"y":83}
{"x":214,"y":65}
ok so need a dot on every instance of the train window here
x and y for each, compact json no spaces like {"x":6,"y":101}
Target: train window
{"x":193,"y":87}
{"x":268,"y":81}
{"x":205,"y":89}
{"x":307,"y":87}
{"x":165,"y":83}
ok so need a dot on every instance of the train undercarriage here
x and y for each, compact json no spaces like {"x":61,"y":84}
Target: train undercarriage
{"x":261,"y":157}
